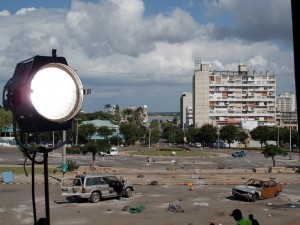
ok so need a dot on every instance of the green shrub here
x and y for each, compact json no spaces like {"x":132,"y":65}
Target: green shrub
{"x":73,"y":150}
{"x":72,"y":165}
{"x":171,"y":149}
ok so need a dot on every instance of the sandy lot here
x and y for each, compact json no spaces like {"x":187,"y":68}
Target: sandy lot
{"x":199,"y":206}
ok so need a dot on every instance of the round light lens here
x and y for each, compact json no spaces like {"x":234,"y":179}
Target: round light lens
{"x":56,"y":92}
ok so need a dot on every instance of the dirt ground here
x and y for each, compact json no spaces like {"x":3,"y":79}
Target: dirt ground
{"x":198,"y":205}
{"x":208,"y":199}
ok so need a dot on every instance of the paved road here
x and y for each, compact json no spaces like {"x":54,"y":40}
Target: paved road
{"x":252,"y":160}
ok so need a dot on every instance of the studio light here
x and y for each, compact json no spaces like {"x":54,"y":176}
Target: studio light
{"x":44,"y":94}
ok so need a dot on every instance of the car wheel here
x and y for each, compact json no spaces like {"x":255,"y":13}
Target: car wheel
{"x":253,"y":197}
{"x":95,"y":197}
{"x":128,"y":192}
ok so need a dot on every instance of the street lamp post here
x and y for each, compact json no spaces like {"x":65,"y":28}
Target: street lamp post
{"x":149,"y":137}
{"x":278,"y":136}
{"x":218,"y":137}
{"x":290,"y":137}
{"x":76,"y":142}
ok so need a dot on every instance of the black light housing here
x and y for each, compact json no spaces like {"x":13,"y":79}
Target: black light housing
{"x":44,"y":94}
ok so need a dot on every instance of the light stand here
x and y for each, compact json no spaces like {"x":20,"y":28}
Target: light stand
{"x":44,"y":95}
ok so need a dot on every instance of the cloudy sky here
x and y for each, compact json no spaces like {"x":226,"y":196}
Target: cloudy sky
{"x":143,"y":52}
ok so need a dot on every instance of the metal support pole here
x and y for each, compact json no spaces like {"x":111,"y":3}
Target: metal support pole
{"x":218,"y":137}
{"x":64,"y":154}
{"x":290,"y":139}
{"x":278,"y":137}
{"x":149,"y":137}
{"x":296,"y":44}
{"x":53,"y":142}
{"x":76,"y":133}
{"x":46,"y":187}
{"x":218,"y":140}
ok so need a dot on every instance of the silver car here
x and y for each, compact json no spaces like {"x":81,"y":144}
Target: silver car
{"x":94,"y":187}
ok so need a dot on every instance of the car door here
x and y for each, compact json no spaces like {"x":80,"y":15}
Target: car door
{"x":71,"y":186}
{"x":115,"y":185}
{"x":266,"y":191}
{"x":103,"y":187}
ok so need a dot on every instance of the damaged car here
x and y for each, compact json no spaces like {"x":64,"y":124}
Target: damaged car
{"x":255,"y":189}
{"x":95,"y":187}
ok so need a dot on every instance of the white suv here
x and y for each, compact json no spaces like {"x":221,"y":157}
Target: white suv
{"x":94,"y":187}
{"x":112,"y":151}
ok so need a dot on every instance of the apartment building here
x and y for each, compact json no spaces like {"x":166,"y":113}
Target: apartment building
{"x":230,"y":97}
{"x":186,"y":103}
{"x":286,"y":114}
{"x":286,"y":102}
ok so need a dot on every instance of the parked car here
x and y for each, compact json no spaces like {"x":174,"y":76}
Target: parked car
{"x":112,"y":151}
{"x":94,"y":187}
{"x":255,"y":189}
{"x":196,"y":145}
{"x":238,"y":154}
{"x":220,"y":144}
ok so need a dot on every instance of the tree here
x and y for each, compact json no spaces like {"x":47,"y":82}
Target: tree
{"x":272,"y":151}
{"x":154,"y":132}
{"x":154,"y":135}
{"x":107,"y":107}
{"x":139,"y":115}
{"x":228,"y":133}
{"x":86,"y":131}
{"x":131,"y":133}
{"x":94,"y":147}
{"x":286,"y":134}
{"x":207,"y":134}
{"x":261,"y":133}
{"x":5,"y":118}
{"x":241,"y":137}
{"x":104,"y":131}
{"x":192,"y":135}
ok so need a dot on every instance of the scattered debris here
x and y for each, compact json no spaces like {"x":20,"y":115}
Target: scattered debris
{"x":288,"y":205}
{"x":137,"y":209}
{"x":174,"y":208}
{"x":140,"y":176}
{"x":200,"y":203}
{"x":154,"y":182}
{"x":190,"y":185}
{"x":195,"y":176}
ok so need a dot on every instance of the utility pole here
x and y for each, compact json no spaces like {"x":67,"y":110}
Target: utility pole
{"x":290,"y":136}
{"x":149,"y":137}
{"x":64,"y":154}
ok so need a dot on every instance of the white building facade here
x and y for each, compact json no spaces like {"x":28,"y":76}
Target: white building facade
{"x":230,"y":97}
{"x":286,"y":102}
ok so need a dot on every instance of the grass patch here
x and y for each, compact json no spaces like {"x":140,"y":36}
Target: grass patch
{"x":179,"y":153}
{"x":171,"y":149}
{"x":20,"y":170}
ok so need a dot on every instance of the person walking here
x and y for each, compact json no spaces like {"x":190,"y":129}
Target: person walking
{"x":254,"y":221}
{"x":237,"y":215}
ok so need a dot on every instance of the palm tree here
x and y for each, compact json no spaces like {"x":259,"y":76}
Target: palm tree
{"x":107,"y":107}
